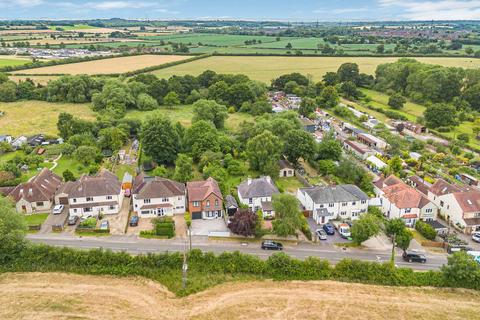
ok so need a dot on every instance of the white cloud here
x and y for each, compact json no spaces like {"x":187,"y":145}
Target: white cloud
{"x":20,"y":3}
{"x":111,"y":5}
{"x":341,"y":10}
{"x":436,"y":10}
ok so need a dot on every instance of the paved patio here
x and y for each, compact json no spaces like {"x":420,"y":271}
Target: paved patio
{"x":204,"y":227}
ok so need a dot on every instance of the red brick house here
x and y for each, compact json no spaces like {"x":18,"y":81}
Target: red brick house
{"x":205,"y":200}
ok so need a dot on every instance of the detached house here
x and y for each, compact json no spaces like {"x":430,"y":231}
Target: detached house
{"x":333,"y":202}
{"x":257,"y":194}
{"x":286,"y":168}
{"x":91,"y":195}
{"x":36,"y":195}
{"x":460,"y":205}
{"x":155,"y":196}
{"x":205,"y":200}
{"x":399,"y":200}
{"x":358,"y":149}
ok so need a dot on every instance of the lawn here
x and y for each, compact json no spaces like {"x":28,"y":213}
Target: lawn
{"x":184,"y":115}
{"x":32,"y":117}
{"x":35,"y":219}
{"x":381,"y":99}
{"x":122,"y":168}
{"x":267,"y":68}
{"x":209,"y":39}
{"x":290,"y":184}
{"x":5,"y":62}
{"x":71,"y":164}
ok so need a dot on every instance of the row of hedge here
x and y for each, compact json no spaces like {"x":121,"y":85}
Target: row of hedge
{"x":426,"y":230}
{"x":279,"y":266}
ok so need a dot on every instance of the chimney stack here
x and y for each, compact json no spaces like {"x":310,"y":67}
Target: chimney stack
{"x":249,"y":181}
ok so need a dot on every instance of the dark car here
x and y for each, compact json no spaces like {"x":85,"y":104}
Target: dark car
{"x":134,"y":221}
{"x":72,"y":220}
{"x":329,"y":229}
{"x":411,"y":256}
{"x":271,"y":245}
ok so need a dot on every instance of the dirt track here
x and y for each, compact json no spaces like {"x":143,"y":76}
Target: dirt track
{"x":66,"y":296}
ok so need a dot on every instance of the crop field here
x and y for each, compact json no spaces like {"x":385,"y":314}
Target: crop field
{"x":107,"y":66}
{"x":32,"y":296}
{"x":43,"y":80}
{"x":267,"y":68}
{"x":210,"y":39}
{"x":74,"y":27}
{"x":32,"y":117}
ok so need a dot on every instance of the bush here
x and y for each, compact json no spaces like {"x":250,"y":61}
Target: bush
{"x":426,"y":230}
{"x":164,"y":227}
{"x":89,"y":223}
{"x":188,"y":219}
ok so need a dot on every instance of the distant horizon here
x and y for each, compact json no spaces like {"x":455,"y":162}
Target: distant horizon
{"x":244,"y":10}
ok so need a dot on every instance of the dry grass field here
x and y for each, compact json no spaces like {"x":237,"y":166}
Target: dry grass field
{"x":68,"y":296}
{"x":43,"y":80}
{"x":267,"y":68}
{"x":32,"y":117}
{"x":75,"y":41}
{"x":107,"y":66}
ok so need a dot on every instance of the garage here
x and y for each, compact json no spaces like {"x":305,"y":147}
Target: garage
{"x":196,"y":215}
{"x":63,"y":200}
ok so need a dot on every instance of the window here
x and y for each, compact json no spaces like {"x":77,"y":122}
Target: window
{"x":208,"y":203}
{"x":364,"y":201}
{"x":344,"y":204}
{"x":408,"y":210}
{"x":74,"y":210}
{"x":165,"y":200}
{"x":331,"y":205}
{"x":354,"y":203}
{"x":476,"y":214}
{"x":342,"y":213}
{"x":111,"y":207}
{"x":210,"y":214}
{"x":147,"y":200}
{"x":74,"y":200}
{"x":250,"y":200}
{"x":39,"y":203}
{"x":428,"y":210}
{"x":321,"y":206}
{"x":196,"y":203}
{"x":89,"y":199}
{"x":354,"y":214}
{"x":216,"y":202}
{"x":441,"y":203}
{"x":109,"y":197}
{"x":145,"y":212}
{"x":179,"y":198}
{"x":87,"y":209}
{"x":136,"y":205}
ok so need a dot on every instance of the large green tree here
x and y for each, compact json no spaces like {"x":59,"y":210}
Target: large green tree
{"x":348,"y":72}
{"x":440,"y":115}
{"x":299,"y":144}
{"x":210,"y":110}
{"x":287,"y":215}
{"x":396,"y":101}
{"x":159,"y":139}
{"x":183,"y":168}
{"x":263,"y":152}
{"x":329,"y":97}
{"x":366,"y":227}
{"x":200,"y":137}
{"x":12,"y":231}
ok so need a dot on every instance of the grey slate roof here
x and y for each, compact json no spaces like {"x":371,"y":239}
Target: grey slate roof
{"x":261,"y":187}
{"x":335,"y":194}
{"x":230,"y":201}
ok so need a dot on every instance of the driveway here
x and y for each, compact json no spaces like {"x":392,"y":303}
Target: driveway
{"x":331,"y":240}
{"x":144,"y":224}
{"x":119,"y":221}
{"x":204,"y":227}
{"x":54,"y":219}
{"x":180,"y":226}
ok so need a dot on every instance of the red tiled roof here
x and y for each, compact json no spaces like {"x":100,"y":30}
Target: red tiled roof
{"x":404,"y":196}
{"x":42,"y":187}
{"x":469,"y":201}
{"x":442,"y":187}
{"x":200,"y":190}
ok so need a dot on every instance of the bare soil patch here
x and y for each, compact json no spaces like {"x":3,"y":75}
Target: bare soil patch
{"x":69,"y":296}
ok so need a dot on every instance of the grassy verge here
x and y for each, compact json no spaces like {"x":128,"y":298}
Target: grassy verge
{"x":91,"y":234}
{"x":36,"y":219}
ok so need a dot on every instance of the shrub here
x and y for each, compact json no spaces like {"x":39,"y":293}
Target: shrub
{"x":188,"y":219}
{"x":90,"y":223}
{"x":426,"y":230}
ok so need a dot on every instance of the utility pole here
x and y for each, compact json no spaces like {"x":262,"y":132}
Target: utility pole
{"x":184,"y":267}
{"x":190,"y":237}
{"x":392,"y":258}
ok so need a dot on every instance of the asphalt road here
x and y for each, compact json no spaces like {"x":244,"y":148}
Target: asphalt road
{"x":134,"y":245}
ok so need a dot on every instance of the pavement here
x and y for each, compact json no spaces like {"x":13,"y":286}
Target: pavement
{"x":118,"y":222}
{"x":52,"y":220}
{"x":135,"y":245}
{"x":204,"y":227}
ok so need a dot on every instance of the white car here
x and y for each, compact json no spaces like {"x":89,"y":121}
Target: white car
{"x":476,"y":236}
{"x":321,"y":234}
{"x":58,"y":209}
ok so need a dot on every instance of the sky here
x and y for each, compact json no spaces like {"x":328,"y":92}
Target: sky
{"x":285,"y":10}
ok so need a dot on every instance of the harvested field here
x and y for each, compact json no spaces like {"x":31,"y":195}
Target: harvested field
{"x":107,"y":66}
{"x":69,"y":296}
{"x":32,"y":117}
{"x":43,"y":80}
{"x":87,"y":41}
{"x":267,"y":68}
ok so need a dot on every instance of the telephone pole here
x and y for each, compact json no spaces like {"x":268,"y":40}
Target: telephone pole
{"x":184,"y":267}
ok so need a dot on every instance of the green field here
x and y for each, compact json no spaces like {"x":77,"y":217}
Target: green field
{"x":209,"y":39}
{"x":5,"y":62}
{"x":267,"y":68}
{"x":74,"y":27}
{"x":32,"y":117}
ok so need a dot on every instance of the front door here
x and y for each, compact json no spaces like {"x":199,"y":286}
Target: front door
{"x":160,"y":212}
{"x":24,"y":208}
{"x":323,"y":220}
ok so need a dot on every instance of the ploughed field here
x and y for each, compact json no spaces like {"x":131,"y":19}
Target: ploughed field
{"x":268,"y":68}
{"x":107,"y":66}
{"x":70,"y":296}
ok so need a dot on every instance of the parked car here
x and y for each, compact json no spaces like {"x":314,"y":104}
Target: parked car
{"x":412,"y":256}
{"x":476,"y":236}
{"x":128,"y":193}
{"x":58,"y":209}
{"x":329,"y":228}
{"x":344,"y":231}
{"x":452,"y":250}
{"x":134,"y":221}
{"x":271,"y":245}
{"x":321,"y":234}
{"x":72,"y":220}
{"x":104,"y":225}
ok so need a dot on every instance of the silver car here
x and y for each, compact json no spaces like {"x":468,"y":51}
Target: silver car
{"x":58,"y":209}
{"x":321,"y":234}
{"x":476,"y":236}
